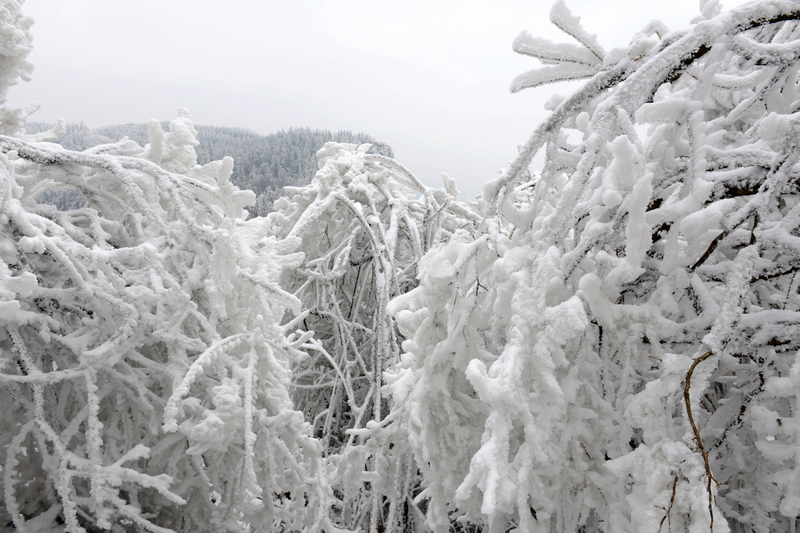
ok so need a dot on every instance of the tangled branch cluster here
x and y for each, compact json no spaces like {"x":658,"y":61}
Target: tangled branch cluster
{"x":365,"y":221}
{"x":610,"y":344}
{"x":663,"y":226}
{"x":144,"y":373}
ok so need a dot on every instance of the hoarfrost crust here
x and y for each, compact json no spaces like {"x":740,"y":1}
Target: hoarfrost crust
{"x":642,"y":293}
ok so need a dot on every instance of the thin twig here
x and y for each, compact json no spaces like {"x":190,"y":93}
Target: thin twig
{"x":753,"y":229}
{"x":742,"y":409}
{"x":688,"y":401}
{"x":669,"y":509}
{"x":709,"y":251}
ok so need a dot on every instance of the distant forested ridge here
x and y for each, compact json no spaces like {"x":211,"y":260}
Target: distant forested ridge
{"x":264,"y":164}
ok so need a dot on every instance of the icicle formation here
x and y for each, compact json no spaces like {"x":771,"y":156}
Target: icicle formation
{"x":363,"y":231}
{"x":624,"y":328}
{"x":145,"y":378}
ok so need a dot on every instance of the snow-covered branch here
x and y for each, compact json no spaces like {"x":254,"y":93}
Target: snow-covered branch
{"x":364,"y":230}
{"x":661,"y":234}
{"x":154,"y":305}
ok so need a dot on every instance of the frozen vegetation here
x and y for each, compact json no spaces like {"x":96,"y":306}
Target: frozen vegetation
{"x":265,"y":164}
{"x":608,"y":343}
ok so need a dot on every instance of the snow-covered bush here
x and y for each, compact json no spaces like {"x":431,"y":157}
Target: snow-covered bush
{"x":611,"y":344}
{"x":616,"y":348}
{"x":145,"y":376}
{"x":364,"y":223}
{"x":15,"y":45}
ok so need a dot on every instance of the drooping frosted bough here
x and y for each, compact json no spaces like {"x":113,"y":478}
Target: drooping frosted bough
{"x":622,"y":331}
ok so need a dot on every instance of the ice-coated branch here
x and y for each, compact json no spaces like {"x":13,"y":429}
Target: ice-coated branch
{"x":562,"y":17}
{"x":363,"y":231}
{"x":553,"y":74}
{"x":550,"y":52}
{"x":155,"y":307}
{"x":662,"y":225}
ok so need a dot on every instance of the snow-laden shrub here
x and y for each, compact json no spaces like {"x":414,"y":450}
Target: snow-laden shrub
{"x":364,"y":222}
{"x":144,"y":374}
{"x":15,"y":45}
{"x":623,"y":331}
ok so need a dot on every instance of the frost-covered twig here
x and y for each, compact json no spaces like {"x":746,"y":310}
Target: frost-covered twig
{"x":363,"y":233}
{"x":157,"y":283}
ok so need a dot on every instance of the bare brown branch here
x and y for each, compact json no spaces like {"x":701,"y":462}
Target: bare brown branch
{"x":688,"y":400}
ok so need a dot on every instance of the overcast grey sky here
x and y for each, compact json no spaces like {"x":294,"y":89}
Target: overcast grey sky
{"x":429,"y":77}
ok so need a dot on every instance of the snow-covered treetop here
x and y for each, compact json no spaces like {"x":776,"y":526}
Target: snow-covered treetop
{"x":15,"y":45}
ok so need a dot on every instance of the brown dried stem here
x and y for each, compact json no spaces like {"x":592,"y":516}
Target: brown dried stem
{"x":669,"y":509}
{"x":688,"y":401}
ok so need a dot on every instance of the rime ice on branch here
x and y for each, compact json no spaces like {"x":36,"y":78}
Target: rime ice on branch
{"x":364,"y":223}
{"x":144,"y":374}
{"x":624,"y":327}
